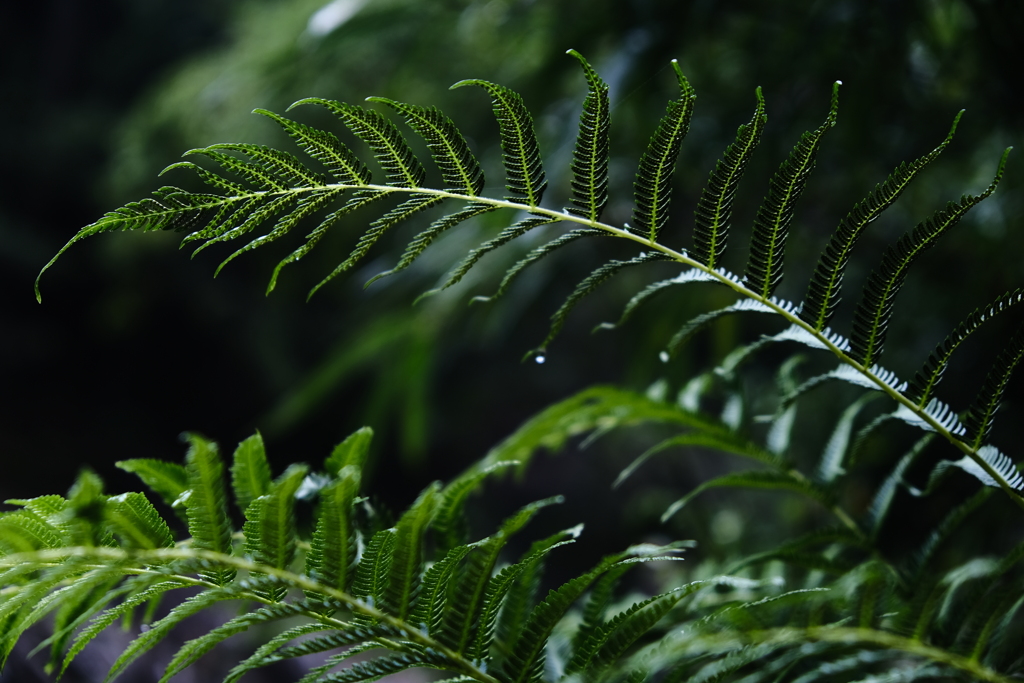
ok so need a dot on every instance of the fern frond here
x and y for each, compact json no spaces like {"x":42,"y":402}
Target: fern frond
{"x":433,"y":595}
{"x":352,"y":452}
{"x":206,"y":504}
{"x":590,"y":156}
{"x":404,"y":211}
{"x":885,"y":493}
{"x":403,"y":578}
{"x":689,"y":275}
{"x":250,"y":471}
{"x":371,"y":575}
{"x":508,"y":234}
{"x":924,"y":382}
{"x":392,"y":152}
{"x":758,"y":479}
{"x":423,"y":240}
{"x":459,"y":168}
{"x":652,"y":189}
{"x":332,"y":552}
{"x":771,"y":226}
{"x":874,"y":311}
{"x":449,"y":522}
{"x":831,"y":464}
{"x":269,"y":530}
{"x":588,"y":285}
{"x":724,"y":441}
{"x":535,"y":255}
{"x":691,"y":327}
{"x":982,"y":412}
{"x":823,"y":292}
{"x":524,"y":171}
{"x":169,"y":480}
{"x":608,"y":407}
{"x":264,"y":653}
{"x":713,"y":216}
{"x":134,"y":519}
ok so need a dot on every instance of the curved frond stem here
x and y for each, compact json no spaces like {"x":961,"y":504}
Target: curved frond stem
{"x":884,"y":639}
{"x":873,"y":375}
{"x":106,"y":556}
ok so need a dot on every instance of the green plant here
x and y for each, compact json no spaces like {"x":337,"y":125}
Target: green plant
{"x":849,"y":606}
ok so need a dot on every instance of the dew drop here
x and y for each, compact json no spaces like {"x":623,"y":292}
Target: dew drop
{"x":540,"y":359}
{"x":663,"y":356}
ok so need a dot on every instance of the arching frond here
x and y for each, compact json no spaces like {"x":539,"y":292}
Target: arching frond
{"x":873,"y":313}
{"x":653,"y":187}
{"x":771,"y":226}
{"x":524,"y":171}
{"x":823,"y":292}
{"x":713,"y":216}
{"x":206,"y":503}
{"x":982,"y":412}
{"x":590,"y":156}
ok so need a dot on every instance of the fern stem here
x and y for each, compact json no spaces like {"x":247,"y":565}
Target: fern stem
{"x":680,"y":257}
{"x":883,"y":639}
{"x":160,"y":556}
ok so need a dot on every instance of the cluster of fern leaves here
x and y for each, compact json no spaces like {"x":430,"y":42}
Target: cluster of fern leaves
{"x":846,"y":611}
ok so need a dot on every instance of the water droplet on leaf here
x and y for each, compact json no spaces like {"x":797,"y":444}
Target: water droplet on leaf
{"x":663,"y":356}
{"x":540,"y":359}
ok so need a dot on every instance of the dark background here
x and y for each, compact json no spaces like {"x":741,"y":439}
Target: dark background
{"x":135,"y":343}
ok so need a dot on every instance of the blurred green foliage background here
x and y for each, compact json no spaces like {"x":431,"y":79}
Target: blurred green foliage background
{"x":136,"y":343}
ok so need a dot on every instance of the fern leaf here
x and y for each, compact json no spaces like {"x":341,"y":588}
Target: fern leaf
{"x":23,"y":531}
{"x":611,"y":642}
{"x":713,"y":216}
{"x":588,"y":285}
{"x":359,"y":199}
{"x":392,"y":152}
{"x":874,"y":311}
{"x":459,"y":168}
{"x":924,"y":382}
{"x":998,"y":463}
{"x":332,"y":552}
{"x":265,"y":651}
{"x":608,"y":407}
{"x":982,"y":412}
{"x":343,"y":165}
{"x":371,"y":575}
{"x":524,"y":171}
{"x":379,"y":667}
{"x":499,"y":587}
{"x":308,"y":204}
{"x":250,"y":471}
{"x":508,"y":234}
{"x":526,"y":658}
{"x":450,"y":522}
{"x":352,"y":452}
{"x":687,"y":331}
{"x":423,"y":240}
{"x":653,"y":187}
{"x":590,"y":156}
{"x":405,"y":210}
{"x":722,"y":440}
{"x":433,"y":595}
{"x":534,"y":256}
{"x":137,"y":522}
{"x":468,"y":594}
{"x":771,"y":226}
{"x":689,"y":275}
{"x":823,"y":292}
{"x":206,"y":504}
{"x":887,"y":491}
{"x":521,"y":596}
{"x":146,"y":640}
{"x":831,"y":465}
{"x":108,"y":617}
{"x":269,"y":530}
{"x":192,"y":650}
{"x":758,"y":479}
{"x":403,"y":578}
